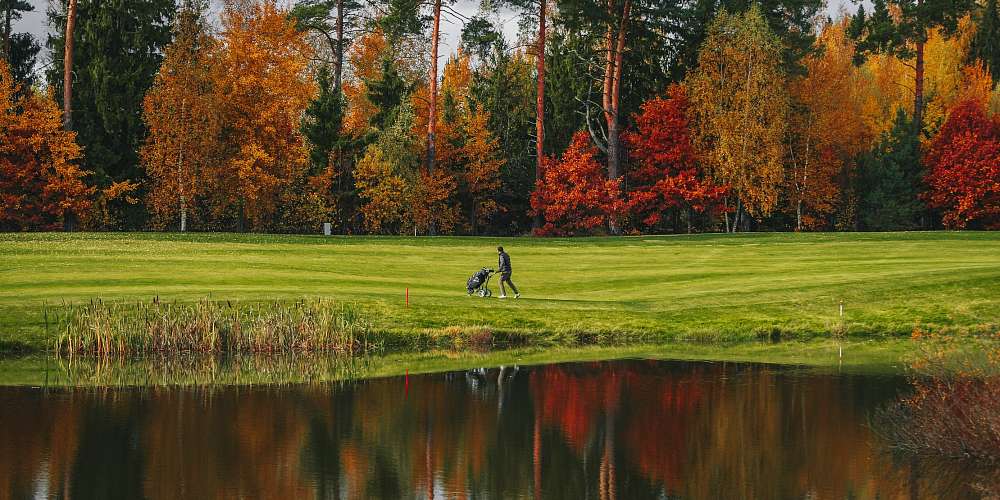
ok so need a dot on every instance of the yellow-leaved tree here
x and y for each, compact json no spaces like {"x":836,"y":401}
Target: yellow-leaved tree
{"x":740,"y":107}
{"x":385,"y":176}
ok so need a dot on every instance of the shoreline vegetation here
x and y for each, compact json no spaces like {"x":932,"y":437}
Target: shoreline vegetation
{"x":852,"y":356}
{"x":135,"y":294}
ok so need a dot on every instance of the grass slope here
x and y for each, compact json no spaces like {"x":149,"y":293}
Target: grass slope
{"x":701,"y":286}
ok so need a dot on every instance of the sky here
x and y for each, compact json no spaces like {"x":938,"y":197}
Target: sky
{"x":36,"y":23}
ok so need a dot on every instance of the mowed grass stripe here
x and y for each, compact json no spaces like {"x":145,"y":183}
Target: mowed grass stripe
{"x":724,"y":285}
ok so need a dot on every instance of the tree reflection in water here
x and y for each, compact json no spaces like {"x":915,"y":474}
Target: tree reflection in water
{"x":602,"y":430}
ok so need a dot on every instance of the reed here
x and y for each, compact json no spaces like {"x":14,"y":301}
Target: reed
{"x":125,"y":329}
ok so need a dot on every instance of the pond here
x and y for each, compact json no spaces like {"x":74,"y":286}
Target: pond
{"x":603,"y":429}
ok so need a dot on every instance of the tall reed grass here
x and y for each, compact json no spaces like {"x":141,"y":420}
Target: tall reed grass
{"x":123,"y":329}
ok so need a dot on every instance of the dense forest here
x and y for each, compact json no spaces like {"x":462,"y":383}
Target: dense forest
{"x":603,"y":117}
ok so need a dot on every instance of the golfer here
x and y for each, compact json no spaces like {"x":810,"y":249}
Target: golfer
{"x":504,"y":269}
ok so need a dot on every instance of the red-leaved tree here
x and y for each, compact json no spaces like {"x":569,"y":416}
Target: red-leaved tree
{"x":666,"y":175}
{"x":963,"y":164}
{"x":574,"y":196}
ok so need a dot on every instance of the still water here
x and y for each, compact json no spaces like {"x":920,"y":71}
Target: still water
{"x":602,"y":430}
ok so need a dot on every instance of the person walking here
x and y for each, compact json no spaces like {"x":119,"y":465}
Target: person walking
{"x":505,"y":271}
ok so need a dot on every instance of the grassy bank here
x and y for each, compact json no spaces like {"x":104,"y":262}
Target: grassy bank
{"x":648,"y":289}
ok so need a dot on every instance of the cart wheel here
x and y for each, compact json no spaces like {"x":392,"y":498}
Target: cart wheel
{"x":489,"y":293}
{"x":483,"y":293}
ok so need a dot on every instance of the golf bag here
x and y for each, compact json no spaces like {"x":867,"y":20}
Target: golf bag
{"x":479,"y":282}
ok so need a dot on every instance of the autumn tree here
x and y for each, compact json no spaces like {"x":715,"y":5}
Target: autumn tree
{"x":666,"y":175}
{"x":386,"y":174}
{"x":182,"y":112}
{"x":41,"y":183}
{"x":903,"y":33}
{"x":575,"y":196}
{"x":367,"y":60}
{"x":468,"y":152}
{"x":480,"y":178}
{"x":825,"y":132}
{"x":740,"y":109}
{"x":963,"y":168}
{"x":262,"y":72}
{"x":620,"y":26}
{"x":791,"y":20}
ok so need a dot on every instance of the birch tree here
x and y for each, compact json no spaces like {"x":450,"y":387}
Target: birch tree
{"x":740,"y":109}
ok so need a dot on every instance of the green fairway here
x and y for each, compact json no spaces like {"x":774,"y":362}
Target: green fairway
{"x":703,"y":286}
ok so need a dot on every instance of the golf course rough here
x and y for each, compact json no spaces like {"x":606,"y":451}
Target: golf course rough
{"x":579,"y":290}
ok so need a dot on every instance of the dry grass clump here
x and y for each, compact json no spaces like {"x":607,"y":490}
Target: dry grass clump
{"x":954,"y":411}
{"x":120,"y":329}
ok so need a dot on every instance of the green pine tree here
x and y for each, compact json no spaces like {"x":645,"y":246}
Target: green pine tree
{"x":986,"y":44}
{"x":118,"y":50}
{"x":891,"y":181}
{"x":20,"y":50}
{"x":323,"y":121}
{"x":387,"y":93}
{"x":505,"y":88}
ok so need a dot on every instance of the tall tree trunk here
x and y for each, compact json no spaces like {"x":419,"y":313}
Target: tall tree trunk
{"x":612,"y":95}
{"x":338,"y":58}
{"x":68,"y":67}
{"x":432,"y":107}
{"x":612,"y":91}
{"x":918,"y":92}
{"x":540,"y":101}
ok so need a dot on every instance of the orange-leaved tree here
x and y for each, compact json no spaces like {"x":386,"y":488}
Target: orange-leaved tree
{"x":574,"y":196}
{"x":963,"y":164}
{"x":825,"y":129}
{"x":467,"y":154}
{"x":182,"y":114}
{"x":41,"y":185}
{"x":262,"y":75}
{"x":480,"y":177}
{"x":666,"y":174}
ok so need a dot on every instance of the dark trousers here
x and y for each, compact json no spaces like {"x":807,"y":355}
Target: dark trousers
{"x":505,"y":278}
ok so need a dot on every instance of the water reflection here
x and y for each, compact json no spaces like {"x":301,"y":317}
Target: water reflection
{"x":627,"y":429}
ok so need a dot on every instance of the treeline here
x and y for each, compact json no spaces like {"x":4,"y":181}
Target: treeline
{"x":606,"y":117}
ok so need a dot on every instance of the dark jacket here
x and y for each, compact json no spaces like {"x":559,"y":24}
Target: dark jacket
{"x":504,"y":263}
